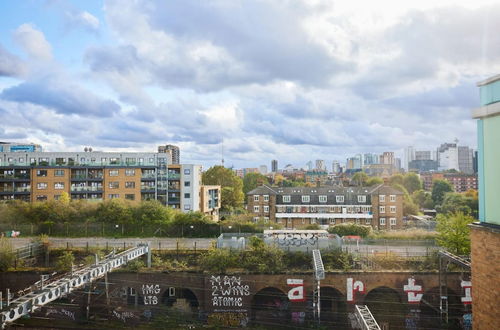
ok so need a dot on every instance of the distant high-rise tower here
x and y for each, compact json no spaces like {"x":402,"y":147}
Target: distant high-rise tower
{"x":274,"y":166}
{"x":174,"y":150}
{"x":320,"y":165}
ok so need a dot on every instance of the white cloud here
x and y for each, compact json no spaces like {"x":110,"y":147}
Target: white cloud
{"x":33,"y":42}
{"x":83,"y":19}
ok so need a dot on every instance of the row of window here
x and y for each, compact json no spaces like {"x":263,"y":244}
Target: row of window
{"x":256,"y":198}
{"x":382,"y":221}
{"x":110,"y":196}
{"x":323,"y":209}
{"x":256,"y":208}
{"x":112,"y":185}
{"x":324,"y":198}
{"x":381,"y":198}
{"x":392,"y":209}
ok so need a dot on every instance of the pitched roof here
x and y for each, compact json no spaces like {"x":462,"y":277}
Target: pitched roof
{"x":262,"y":190}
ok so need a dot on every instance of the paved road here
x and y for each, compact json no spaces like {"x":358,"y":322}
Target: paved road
{"x":205,"y":243}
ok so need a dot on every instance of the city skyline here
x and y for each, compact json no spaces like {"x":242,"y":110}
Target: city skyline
{"x":74,"y":74}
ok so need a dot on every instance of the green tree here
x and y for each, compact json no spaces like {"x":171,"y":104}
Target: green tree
{"x":6,"y":255}
{"x":232,"y":186}
{"x":253,"y":180}
{"x":439,"y":189}
{"x":454,"y":233}
{"x":456,"y":202}
{"x":423,"y":199}
{"x":359,"y":178}
{"x":409,"y":207}
{"x":373,"y":181}
{"x":65,"y":261}
{"x":396,"y":179}
{"x":115,"y":211}
{"x":153,"y":212}
{"x":412,"y":182}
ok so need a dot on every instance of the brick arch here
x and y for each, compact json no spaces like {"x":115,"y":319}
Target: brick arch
{"x":387,"y":306}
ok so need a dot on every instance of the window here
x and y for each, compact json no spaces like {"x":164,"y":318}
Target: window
{"x":392,"y":198}
{"x":393,"y":209}
{"x":187,"y":207}
{"x":141,"y":161}
{"x":130,"y":184}
{"x":266,"y":219}
{"x":57,"y":197}
{"x":255,"y":198}
{"x":187,"y":183}
{"x":113,"y":172}
{"x":187,"y":195}
{"x":129,"y":172}
{"x":323,"y":198}
{"x":382,"y":209}
{"x":332,"y":221}
{"x":41,"y":185}
{"x":361,"y":199}
{"x":187,"y":171}
{"x":41,"y":197}
{"x":113,"y":196}
{"x":266,"y":209}
{"x":306,"y":199}
{"x":59,"y":185}
{"x":381,"y":198}
{"x":339,"y":199}
{"x":58,"y":172}
{"x":392,"y":221}
{"x":32,"y":161}
{"x":130,"y":197}
{"x":41,"y":173}
{"x":286,"y":199}
{"x":104,"y":160}
{"x":21,"y":160}
{"x":114,"y":185}
{"x":114,"y":161}
{"x":130,"y":161}
{"x":256,"y":208}
{"x":368,"y":221}
{"x":266,"y":198}
{"x":382,"y":221}
{"x":43,"y":161}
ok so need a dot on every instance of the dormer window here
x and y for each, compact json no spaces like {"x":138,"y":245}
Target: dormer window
{"x":322,"y":198}
{"x":306,"y":199}
{"x":339,"y":199}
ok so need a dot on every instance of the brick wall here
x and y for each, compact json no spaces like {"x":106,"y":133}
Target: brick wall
{"x":485,"y":276}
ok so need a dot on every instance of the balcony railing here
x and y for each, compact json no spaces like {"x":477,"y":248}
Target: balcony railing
{"x":15,"y":176}
{"x":148,"y":176}
{"x":148,"y":187}
{"x":98,"y":188}
{"x":174,"y":176}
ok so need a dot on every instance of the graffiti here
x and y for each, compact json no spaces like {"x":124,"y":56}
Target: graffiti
{"x":296,"y":293}
{"x":354,"y":286}
{"x":61,"y":312}
{"x":412,"y":319}
{"x":234,"y":319}
{"x":228,"y":291}
{"x":296,"y":239}
{"x":413,"y":291}
{"x":150,"y":291}
{"x":298,"y":317}
{"x":467,"y":321}
{"x":124,"y":315}
{"x":467,"y":285}
{"x":147,"y":314}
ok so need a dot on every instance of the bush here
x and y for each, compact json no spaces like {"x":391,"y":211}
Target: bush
{"x":337,"y":259}
{"x":218,"y":260}
{"x":262,"y":258}
{"x":65,"y":261}
{"x":6,"y":255}
{"x":350,"y":229}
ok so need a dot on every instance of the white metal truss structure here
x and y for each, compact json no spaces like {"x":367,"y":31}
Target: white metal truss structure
{"x":365,"y":318}
{"x":59,"y":288}
{"x":319,"y":274}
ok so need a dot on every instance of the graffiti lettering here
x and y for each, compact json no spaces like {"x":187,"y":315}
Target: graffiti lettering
{"x":413,"y":291}
{"x":467,"y":285}
{"x":296,"y":293}
{"x":232,"y":320}
{"x":354,"y":286}
{"x":296,"y":239}
{"x":124,"y":316}
{"x":150,"y":289}
{"x":63,"y":312}
{"x":227,"y":302}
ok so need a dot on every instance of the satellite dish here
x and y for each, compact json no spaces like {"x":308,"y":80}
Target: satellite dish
{"x":86,"y":149}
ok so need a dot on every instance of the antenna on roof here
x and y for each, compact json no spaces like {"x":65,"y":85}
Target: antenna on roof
{"x":222,"y":152}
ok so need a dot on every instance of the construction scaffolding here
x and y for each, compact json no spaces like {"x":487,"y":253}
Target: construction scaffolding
{"x":47,"y":291}
{"x":319,"y":274}
{"x":365,"y":318}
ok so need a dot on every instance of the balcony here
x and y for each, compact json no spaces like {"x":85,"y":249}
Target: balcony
{"x":15,"y":177}
{"x":174,"y":176}
{"x":148,"y":188}
{"x":86,"y":189}
{"x":148,"y":176}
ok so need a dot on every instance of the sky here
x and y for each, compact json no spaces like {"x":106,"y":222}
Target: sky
{"x":287,"y":80}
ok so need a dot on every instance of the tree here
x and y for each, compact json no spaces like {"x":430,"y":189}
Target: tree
{"x":252,"y":181}
{"x":454,"y":233}
{"x":232,"y":186}
{"x":409,"y":207}
{"x":423,"y":199}
{"x":359,"y":178}
{"x":278,"y":179}
{"x":396,"y":179}
{"x":456,"y":202}
{"x":374,"y":181}
{"x":115,"y":211}
{"x":439,"y":189}
{"x":412,"y":182}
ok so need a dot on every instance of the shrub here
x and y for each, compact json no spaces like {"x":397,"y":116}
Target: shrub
{"x":350,"y":229}
{"x":6,"y":255}
{"x":337,"y":259}
{"x":65,"y":261}
{"x":218,"y":260}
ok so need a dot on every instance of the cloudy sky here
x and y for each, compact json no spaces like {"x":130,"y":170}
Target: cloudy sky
{"x":287,"y":80}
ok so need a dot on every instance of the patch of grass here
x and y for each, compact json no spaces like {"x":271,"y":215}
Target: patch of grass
{"x":406,"y":234}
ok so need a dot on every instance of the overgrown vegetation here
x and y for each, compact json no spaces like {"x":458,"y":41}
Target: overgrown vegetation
{"x":454,"y":232}
{"x":407,"y":234}
{"x":347,"y":229}
{"x":6,"y":255}
{"x":65,"y":261}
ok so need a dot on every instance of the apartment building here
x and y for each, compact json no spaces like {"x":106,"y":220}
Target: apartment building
{"x":461,"y":182}
{"x":380,"y":207}
{"x":96,"y":175}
